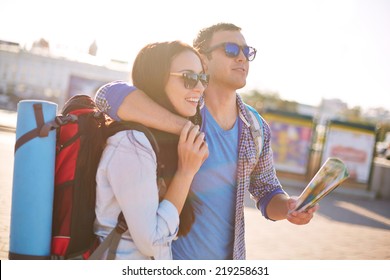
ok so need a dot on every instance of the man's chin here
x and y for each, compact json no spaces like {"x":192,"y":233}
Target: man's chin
{"x":241,"y":85}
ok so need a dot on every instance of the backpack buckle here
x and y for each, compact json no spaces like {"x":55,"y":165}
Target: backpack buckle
{"x":62,"y":120}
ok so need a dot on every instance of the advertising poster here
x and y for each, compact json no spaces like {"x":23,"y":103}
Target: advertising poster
{"x":291,"y":141}
{"x":352,"y":144}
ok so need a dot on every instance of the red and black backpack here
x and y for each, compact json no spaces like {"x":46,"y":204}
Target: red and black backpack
{"x":79,"y":145}
{"x":81,"y":134}
{"x":81,"y":138}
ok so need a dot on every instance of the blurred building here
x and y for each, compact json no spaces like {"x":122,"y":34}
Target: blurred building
{"x":308,"y":110}
{"x":377,"y":114}
{"x":331,"y":109}
{"x":40,"y":74}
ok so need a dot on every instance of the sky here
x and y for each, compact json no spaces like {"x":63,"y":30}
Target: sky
{"x":307,"y":50}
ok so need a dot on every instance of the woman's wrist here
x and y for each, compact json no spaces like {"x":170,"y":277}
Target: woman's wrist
{"x":185,"y":174}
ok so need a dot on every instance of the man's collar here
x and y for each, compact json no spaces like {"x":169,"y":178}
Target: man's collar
{"x":240,"y":105}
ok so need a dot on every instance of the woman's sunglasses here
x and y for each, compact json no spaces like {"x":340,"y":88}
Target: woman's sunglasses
{"x":233,"y":50}
{"x":192,"y":79}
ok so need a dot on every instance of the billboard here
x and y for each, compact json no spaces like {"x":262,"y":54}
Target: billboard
{"x":291,"y":140}
{"x":354,"y":144}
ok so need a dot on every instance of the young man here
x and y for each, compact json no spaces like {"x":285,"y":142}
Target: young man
{"x":232,"y":166}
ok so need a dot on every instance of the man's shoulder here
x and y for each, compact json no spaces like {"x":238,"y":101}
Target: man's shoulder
{"x":257,"y":119}
{"x":256,"y":113}
{"x":253,"y":113}
{"x":245,"y":107}
{"x":253,"y":110}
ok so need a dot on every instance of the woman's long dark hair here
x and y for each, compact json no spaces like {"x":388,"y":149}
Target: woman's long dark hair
{"x":150,"y":74}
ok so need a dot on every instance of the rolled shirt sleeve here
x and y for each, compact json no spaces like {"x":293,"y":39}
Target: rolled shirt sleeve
{"x":110,"y":96}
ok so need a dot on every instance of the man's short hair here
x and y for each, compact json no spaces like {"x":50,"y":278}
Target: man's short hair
{"x":202,"y":40}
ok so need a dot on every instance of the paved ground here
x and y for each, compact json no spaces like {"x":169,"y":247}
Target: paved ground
{"x":346,"y":227}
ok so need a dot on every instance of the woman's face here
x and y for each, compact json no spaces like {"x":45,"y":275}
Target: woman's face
{"x":184,"y":100}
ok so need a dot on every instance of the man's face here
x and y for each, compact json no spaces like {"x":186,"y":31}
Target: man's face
{"x":227,"y":72}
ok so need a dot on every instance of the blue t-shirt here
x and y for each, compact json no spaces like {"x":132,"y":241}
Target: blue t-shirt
{"x":212,"y":234}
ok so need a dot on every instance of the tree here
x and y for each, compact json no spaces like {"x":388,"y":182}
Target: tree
{"x":262,"y":101}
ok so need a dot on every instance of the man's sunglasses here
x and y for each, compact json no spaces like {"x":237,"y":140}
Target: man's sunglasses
{"x":192,"y":79}
{"x":233,"y":50}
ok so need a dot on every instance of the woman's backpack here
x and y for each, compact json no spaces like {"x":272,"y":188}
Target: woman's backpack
{"x":81,"y":133}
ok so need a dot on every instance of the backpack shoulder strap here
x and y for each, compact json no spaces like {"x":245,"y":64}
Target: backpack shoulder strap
{"x":256,"y":128}
{"x":115,"y":127}
{"x":111,"y":242}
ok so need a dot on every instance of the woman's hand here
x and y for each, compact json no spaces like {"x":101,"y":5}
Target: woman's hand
{"x":192,"y":149}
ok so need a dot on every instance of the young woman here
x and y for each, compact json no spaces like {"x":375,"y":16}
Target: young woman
{"x":171,"y":73}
